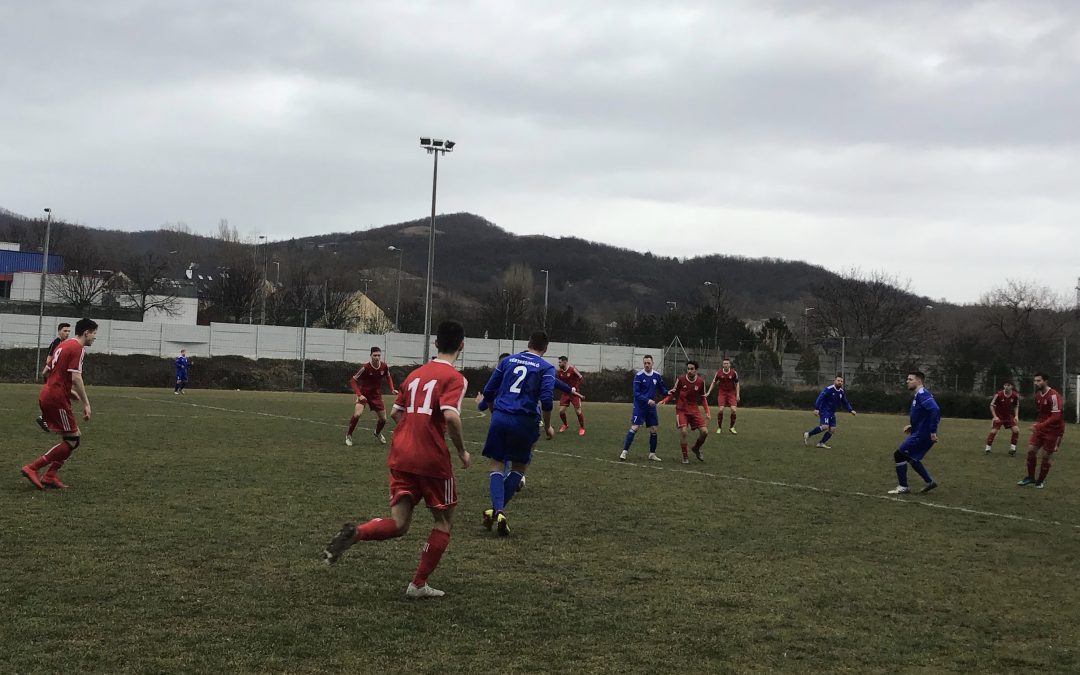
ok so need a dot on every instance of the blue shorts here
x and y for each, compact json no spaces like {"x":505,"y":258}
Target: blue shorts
{"x":510,"y":438}
{"x":915,"y":447}
{"x":181,"y":377}
{"x":827,"y":419}
{"x":645,"y":416}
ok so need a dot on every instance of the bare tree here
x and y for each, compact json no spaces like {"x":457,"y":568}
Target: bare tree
{"x":876,"y":311}
{"x":236,"y":288}
{"x":226,"y":233}
{"x":509,"y":302}
{"x":340,"y":308}
{"x":77,"y":290}
{"x":146,"y":287}
{"x":1020,"y":316}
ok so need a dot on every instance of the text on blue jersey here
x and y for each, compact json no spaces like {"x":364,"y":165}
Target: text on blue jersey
{"x":646,"y":386}
{"x":519,"y":383}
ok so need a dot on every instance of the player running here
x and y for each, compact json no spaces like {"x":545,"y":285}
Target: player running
{"x":689,"y":393}
{"x":63,"y":332}
{"x":922,"y":430}
{"x":65,"y":383}
{"x":648,"y":389}
{"x":182,"y":363}
{"x":367,"y":383}
{"x":1046,"y":433}
{"x":571,"y":377}
{"x":520,"y":386}
{"x":830,"y":398}
{"x":1005,"y":410}
{"x":427,"y":407}
{"x":730,"y":391}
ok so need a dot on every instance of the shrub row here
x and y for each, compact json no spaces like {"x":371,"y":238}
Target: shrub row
{"x":237,"y":372}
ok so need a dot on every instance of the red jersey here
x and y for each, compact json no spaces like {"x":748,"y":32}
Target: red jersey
{"x":726,"y":381}
{"x":571,"y":377}
{"x":1050,"y":416}
{"x":367,"y":381}
{"x":419,"y":444}
{"x":66,"y":359}
{"x":688,"y":395}
{"x":1005,"y":405}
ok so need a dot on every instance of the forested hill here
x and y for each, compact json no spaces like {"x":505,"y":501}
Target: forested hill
{"x":483,"y":274}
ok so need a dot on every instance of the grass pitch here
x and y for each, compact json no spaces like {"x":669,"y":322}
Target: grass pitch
{"x":189,"y":542}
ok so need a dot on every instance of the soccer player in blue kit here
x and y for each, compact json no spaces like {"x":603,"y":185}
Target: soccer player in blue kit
{"x":830,"y":398}
{"x":519,"y":386}
{"x":922,"y":434}
{"x":648,"y":389}
{"x":182,"y":363}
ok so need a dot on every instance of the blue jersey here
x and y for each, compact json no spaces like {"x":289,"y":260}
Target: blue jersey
{"x":181,"y":365}
{"x":648,"y":387}
{"x":830,"y":399}
{"x":520,"y":385}
{"x":925,"y":414}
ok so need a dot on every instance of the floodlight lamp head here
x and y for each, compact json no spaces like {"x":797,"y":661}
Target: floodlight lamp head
{"x":449,"y":145}
{"x":48,"y":210}
{"x":425,"y":141}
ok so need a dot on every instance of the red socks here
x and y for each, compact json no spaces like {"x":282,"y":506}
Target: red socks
{"x":562,"y":416}
{"x":377,"y":529}
{"x":56,"y":455}
{"x":990,"y":438}
{"x":1013,"y":439}
{"x":683,"y":446}
{"x":352,"y":424}
{"x":430,"y":555}
{"x":1044,"y":469}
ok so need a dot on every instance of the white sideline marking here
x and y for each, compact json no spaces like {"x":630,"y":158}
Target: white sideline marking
{"x":652,"y":465}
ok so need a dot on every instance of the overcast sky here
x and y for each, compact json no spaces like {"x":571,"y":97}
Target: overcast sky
{"x":935,"y":140}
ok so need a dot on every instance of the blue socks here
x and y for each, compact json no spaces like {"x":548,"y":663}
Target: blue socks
{"x":921,"y":470}
{"x":652,"y":443}
{"x":901,"y":474}
{"x":814,"y":432}
{"x":496,"y":487}
{"x":629,"y":440}
{"x":826,"y":437}
{"x":510,"y":485}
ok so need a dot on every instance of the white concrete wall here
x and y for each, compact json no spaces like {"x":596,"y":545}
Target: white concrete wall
{"x":282,"y":342}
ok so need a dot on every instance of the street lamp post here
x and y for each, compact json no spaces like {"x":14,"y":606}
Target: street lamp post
{"x":672,"y":305}
{"x":435,"y":147}
{"x":262,"y":291}
{"x":806,"y":322}
{"x":397,"y":302}
{"x":716,"y":319}
{"x":277,"y":272}
{"x":41,"y":291}
{"x":547,"y":276}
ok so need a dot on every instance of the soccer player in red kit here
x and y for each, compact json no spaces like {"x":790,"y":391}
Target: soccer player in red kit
{"x":571,"y":377}
{"x":1046,"y":433}
{"x":65,"y":381}
{"x":727,"y":381}
{"x":367,"y":383}
{"x":427,"y":407}
{"x":1005,"y":410}
{"x":689,"y":393}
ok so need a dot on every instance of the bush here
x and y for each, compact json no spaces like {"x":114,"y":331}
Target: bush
{"x":238,"y":372}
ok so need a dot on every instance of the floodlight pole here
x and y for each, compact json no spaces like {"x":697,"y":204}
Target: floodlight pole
{"x":547,"y":276}
{"x":41,"y":294}
{"x":435,"y":147}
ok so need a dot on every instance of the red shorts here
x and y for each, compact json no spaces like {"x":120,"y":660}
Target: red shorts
{"x":57,"y":415}
{"x":1047,"y":439}
{"x":373,"y":401}
{"x":570,"y":399}
{"x":726,"y":399}
{"x":1006,"y":422}
{"x":437,"y":493}
{"x":694,"y":419}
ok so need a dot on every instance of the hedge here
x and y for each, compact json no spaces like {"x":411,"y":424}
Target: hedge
{"x":238,"y":372}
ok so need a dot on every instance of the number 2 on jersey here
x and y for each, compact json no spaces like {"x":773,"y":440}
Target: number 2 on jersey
{"x":425,"y":409}
{"x":521,"y":372}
